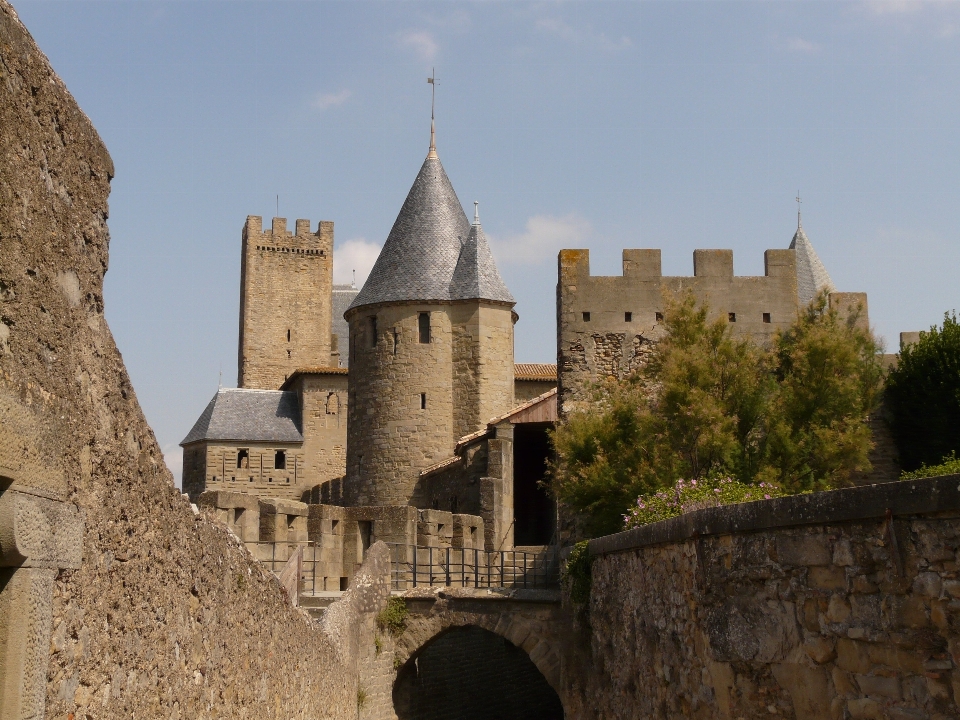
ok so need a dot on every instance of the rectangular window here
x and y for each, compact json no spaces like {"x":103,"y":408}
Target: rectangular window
{"x":586,"y":317}
{"x":732,"y":317}
{"x":766,"y":317}
{"x":424,"y":325}
{"x":628,"y":317}
{"x":280,"y":460}
{"x":423,"y":401}
{"x":372,"y":329}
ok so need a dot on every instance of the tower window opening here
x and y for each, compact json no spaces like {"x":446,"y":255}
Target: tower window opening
{"x":288,"y":334}
{"x":372,"y":327}
{"x":423,"y":319}
{"x":423,"y":401}
{"x":586,"y":317}
{"x":766,"y":317}
{"x":243,"y":458}
{"x":396,"y":340}
{"x":732,"y":317}
{"x":280,"y":460}
{"x":288,"y":356}
{"x":659,"y":317}
{"x":628,"y":317}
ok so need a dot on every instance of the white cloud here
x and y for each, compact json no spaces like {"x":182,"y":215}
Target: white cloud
{"x":542,"y":238}
{"x":800,"y":45}
{"x":356,"y":254}
{"x":581,"y":36}
{"x":173,"y":457}
{"x":329,"y":100}
{"x":892,"y":7}
{"x":421,"y":42}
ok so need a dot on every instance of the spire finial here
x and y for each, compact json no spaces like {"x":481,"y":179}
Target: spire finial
{"x":354,"y":283}
{"x":476,"y":212}
{"x":433,"y":96}
{"x":799,"y":224}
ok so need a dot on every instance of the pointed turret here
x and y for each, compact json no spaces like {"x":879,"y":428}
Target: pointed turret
{"x":812,"y":276}
{"x":476,"y":276}
{"x":420,"y":254}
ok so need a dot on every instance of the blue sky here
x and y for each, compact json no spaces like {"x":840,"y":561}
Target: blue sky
{"x":676,"y":125}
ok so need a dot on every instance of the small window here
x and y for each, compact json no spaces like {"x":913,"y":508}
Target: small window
{"x":423,"y":321}
{"x":333,"y":525}
{"x":280,"y":460}
{"x":290,"y":521}
{"x":766,"y":317}
{"x":372,"y":329}
{"x":423,"y":401}
{"x":237,"y":514}
{"x":659,"y":317}
{"x":732,"y":317}
{"x":586,"y":317}
{"x":243,"y":458}
{"x":628,"y":317}
{"x":343,"y":584}
{"x":288,"y":357}
{"x":288,"y":335}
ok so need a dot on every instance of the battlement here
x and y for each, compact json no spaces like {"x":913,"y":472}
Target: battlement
{"x":281,"y":240}
{"x":643,"y":265}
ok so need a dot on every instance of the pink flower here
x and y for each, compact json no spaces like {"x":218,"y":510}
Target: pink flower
{"x":766,"y":497}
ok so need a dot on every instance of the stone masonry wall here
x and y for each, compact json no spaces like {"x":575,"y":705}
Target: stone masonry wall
{"x":213,"y":466}
{"x":816,"y":606}
{"x":606,"y":324}
{"x":162,"y":613}
{"x":286,"y":285}
{"x":388,"y":374}
{"x":324,"y":402}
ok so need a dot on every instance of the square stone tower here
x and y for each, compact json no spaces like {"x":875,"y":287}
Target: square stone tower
{"x":286,"y":282}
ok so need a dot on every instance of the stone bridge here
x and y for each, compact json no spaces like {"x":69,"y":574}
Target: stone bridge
{"x":495,"y":650}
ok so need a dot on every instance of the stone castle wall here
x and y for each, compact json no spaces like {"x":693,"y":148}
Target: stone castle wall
{"x":218,"y":466}
{"x":138,"y":606}
{"x":840,"y":604}
{"x":606,"y":324}
{"x":389,"y":373}
{"x":286,"y":281}
{"x":483,"y":371}
{"x":324,"y":404}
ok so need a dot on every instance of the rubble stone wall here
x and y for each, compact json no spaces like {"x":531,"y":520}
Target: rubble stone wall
{"x":165,"y":614}
{"x":815,"y":606}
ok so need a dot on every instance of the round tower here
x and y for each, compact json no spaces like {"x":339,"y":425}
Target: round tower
{"x":431,"y":344}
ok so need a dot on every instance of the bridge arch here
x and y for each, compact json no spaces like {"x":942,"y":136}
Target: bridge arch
{"x":533,"y":627}
{"x":473,"y":673}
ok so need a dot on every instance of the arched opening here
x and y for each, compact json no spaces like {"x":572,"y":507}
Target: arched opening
{"x":470,"y":673}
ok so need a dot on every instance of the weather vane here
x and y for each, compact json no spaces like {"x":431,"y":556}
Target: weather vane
{"x":433,"y":96}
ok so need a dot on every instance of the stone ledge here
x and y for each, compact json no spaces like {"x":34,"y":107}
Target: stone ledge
{"x":467,"y":593}
{"x":903,"y":498}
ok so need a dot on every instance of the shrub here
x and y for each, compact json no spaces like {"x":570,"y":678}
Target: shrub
{"x":577,"y":572}
{"x":689,"y":495}
{"x":923,"y":394}
{"x":393,"y":618}
{"x":949,"y":466}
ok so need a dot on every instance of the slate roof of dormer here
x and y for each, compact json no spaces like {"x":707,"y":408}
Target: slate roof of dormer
{"x":812,"y":276}
{"x":476,"y":276}
{"x":418,"y":259}
{"x":245,"y":415}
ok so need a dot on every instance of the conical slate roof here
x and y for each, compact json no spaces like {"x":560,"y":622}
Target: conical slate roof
{"x":812,"y":276}
{"x":476,"y":276}
{"x":418,"y":259}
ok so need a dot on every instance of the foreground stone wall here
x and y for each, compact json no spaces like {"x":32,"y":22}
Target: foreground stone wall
{"x":143,"y":608}
{"x":817,"y":606}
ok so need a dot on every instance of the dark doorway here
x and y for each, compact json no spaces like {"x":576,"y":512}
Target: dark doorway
{"x":469,"y":673}
{"x":533,"y":508}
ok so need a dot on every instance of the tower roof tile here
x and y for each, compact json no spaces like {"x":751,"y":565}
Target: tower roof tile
{"x":812,"y":276}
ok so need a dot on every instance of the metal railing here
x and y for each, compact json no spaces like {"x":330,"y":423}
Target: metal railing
{"x":414,"y":566}
{"x":274,"y":556}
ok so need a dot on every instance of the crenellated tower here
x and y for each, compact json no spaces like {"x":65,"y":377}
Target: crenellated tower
{"x":286,"y":280}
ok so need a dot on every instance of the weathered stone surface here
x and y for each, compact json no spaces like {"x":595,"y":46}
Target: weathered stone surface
{"x":167,"y":615}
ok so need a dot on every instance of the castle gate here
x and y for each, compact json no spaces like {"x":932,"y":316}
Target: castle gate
{"x":471,"y":645}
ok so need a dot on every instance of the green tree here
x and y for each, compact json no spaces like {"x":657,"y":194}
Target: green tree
{"x":708,"y":404}
{"x":829,"y":378}
{"x":923,"y":393}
